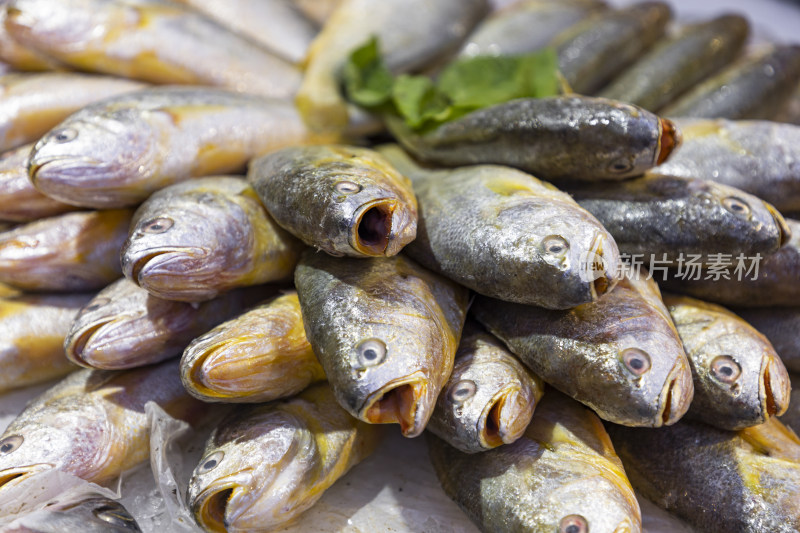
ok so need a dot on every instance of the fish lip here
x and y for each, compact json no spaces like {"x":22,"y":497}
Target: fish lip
{"x":601,"y":284}
{"x":194,"y":379}
{"x":413,"y":420}
{"x":36,"y":165}
{"x":14,"y":476}
{"x":783,"y":228}
{"x":775,"y":387}
{"x":397,"y":230}
{"x":669,"y":139}
{"x":492,"y":417}
{"x":133,"y":268}
{"x":76,"y":347}
{"x":676,"y":396}
{"x":209,"y":518}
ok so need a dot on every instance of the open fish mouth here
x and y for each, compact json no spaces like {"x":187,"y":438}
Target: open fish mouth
{"x":669,"y":139}
{"x":76,"y":347}
{"x":504,"y":419}
{"x":676,"y":396}
{"x":399,"y":402}
{"x":211,"y":507}
{"x":14,"y":476}
{"x":381,"y":229}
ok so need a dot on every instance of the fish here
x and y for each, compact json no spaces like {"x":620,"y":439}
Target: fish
{"x":739,"y":380}
{"x":117,"y":152}
{"x":735,"y":152}
{"x":561,"y":475}
{"x":266,"y":464}
{"x":668,"y":218}
{"x":19,"y":199}
{"x":781,"y":325}
{"x":31,"y":104}
{"x":792,"y":415}
{"x":507,"y":235}
{"x":593,"y":51}
{"x":258,"y":356}
{"x":150,"y":40}
{"x":124,"y":326}
{"x":32,"y":332}
{"x":195,"y":240}
{"x":526,"y":26}
{"x":386,"y":332}
{"x":71,"y":252}
{"x":90,"y":514}
{"x":490,"y":397}
{"x":715,"y":479}
{"x":757,"y":87}
{"x":344,"y":200}
{"x":620,"y":355}
{"x":19,"y":57}
{"x":607,"y":140}
{"x":413,"y":34}
{"x":92,"y":424}
{"x":278,"y":25}
{"x":677,"y":64}
{"x":756,"y":281}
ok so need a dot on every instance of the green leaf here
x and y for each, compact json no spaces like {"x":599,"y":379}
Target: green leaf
{"x":367,"y":80}
{"x":418,"y":100}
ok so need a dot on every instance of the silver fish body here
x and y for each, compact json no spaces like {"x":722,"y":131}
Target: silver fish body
{"x":90,"y":514}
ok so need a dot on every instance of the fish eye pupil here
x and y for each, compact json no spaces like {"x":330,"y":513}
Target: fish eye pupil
{"x":728,"y":371}
{"x":5,"y":448}
{"x":9,"y":444}
{"x":637,"y":364}
{"x":370,"y":354}
{"x":208,"y":465}
{"x":573,"y":529}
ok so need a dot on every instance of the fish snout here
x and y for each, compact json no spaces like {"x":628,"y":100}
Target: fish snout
{"x":670,"y":139}
{"x":506,"y":418}
{"x":76,"y":343}
{"x":783,"y":227}
{"x":405,"y":403}
{"x":677,"y":395}
{"x":776,"y":386}
{"x":381,"y":228}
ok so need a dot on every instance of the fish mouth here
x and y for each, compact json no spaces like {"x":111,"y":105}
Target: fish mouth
{"x":197,"y":377}
{"x":783,"y":227}
{"x":381,"y":229}
{"x":775,"y":387}
{"x":157,"y":260}
{"x":35,"y":166}
{"x":398,"y":402}
{"x":603,"y":277}
{"x":669,"y":139}
{"x":676,"y":396}
{"x":15,"y":476}
{"x":211,"y":507}
{"x":504,"y":419}
{"x":76,"y":348}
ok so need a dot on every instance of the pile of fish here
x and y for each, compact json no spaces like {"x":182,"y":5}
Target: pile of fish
{"x":196,"y":217}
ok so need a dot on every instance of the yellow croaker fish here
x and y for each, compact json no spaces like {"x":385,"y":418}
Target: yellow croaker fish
{"x":385,"y":330}
{"x":259,"y":356}
{"x":19,"y":199}
{"x":151,"y":40}
{"x":17,"y":56}
{"x":31,"y":104}
{"x":32,"y":331}
{"x":739,"y":380}
{"x":490,"y":397}
{"x":266,"y":464}
{"x":88,"y":514}
{"x":92,"y":424}
{"x":70,"y":252}
{"x":561,"y":476}
{"x":620,"y":355}
{"x":343,"y":200}
{"x":412,"y":33}
{"x":117,"y":152}
{"x":720,"y":481}
{"x":195,"y":240}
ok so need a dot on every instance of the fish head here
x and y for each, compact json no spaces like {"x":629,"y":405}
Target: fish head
{"x":253,"y":473}
{"x":567,"y":509}
{"x":90,"y":158}
{"x":58,"y":25}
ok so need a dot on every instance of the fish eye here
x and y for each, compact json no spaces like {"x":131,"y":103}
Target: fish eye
{"x":371,"y":352}
{"x":573,"y":523}
{"x":555,"y":245}
{"x":725,"y":369}
{"x":636,"y":361}
{"x":210,"y":463}
{"x":64,"y":135}
{"x":96,"y":304}
{"x":347,"y":187}
{"x":114,"y":515}
{"x":157,"y":225}
{"x":620,"y":166}
{"x":463,"y":391}
{"x":10,"y":444}
{"x":737,"y":206}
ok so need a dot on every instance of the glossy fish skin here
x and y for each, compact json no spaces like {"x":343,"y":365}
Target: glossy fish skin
{"x":757,"y":87}
{"x":642,"y":215}
{"x":92,"y":424}
{"x":595,"y":50}
{"x":781,"y":325}
{"x":32,"y":104}
{"x":19,"y":199}
{"x":278,"y":25}
{"x":266,"y":464}
{"x":620,"y":355}
{"x":92,"y":514}
{"x":17,"y":56}
{"x":412,"y":33}
{"x":344,"y":200}
{"x":777,"y":283}
{"x":32,"y":331}
{"x":679,"y":63}
{"x":756,"y":156}
{"x":258,"y":356}
{"x":65,"y":253}
{"x":385,"y":330}
{"x":606,"y":140}
{"x":150,"y":40}
{"x":526,"y":26}
{"x":541,"y":482}
{"x":507,"y":235}
{"x":716,"y":480}
{"x":490,"y":397}
{"x":124,"y":326}
{"x":116,"y":152}
{"x":195,"y":240}
{"x":739,"y":380}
